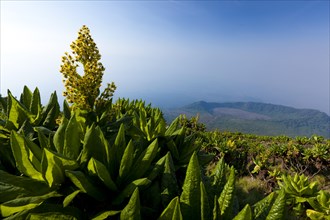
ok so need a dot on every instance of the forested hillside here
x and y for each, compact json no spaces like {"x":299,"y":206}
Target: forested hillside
{"x":257,"y":118}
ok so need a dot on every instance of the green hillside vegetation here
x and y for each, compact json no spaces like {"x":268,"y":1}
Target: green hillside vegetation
{"x":103,"y":159}
{"x":257,"y":118}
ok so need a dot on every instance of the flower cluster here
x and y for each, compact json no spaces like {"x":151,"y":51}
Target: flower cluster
{"x":83,"y":90}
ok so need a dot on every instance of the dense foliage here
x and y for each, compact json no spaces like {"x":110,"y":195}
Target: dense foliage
{"x":120,"y":160}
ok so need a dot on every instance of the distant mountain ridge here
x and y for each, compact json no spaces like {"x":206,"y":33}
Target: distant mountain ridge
{"x":256,"y":118}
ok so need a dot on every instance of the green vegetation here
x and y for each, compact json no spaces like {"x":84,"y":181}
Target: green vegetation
{"x":120,"y":160}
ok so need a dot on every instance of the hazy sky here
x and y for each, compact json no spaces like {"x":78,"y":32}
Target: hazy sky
{"x":171,"y":53}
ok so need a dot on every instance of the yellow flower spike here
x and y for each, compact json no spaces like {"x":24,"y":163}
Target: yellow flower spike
{"x":83,"y":91}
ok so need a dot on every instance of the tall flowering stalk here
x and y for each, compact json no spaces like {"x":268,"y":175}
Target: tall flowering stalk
{"x":84,"y":90}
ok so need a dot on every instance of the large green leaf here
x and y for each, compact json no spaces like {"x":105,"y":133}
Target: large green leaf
{"x":187,"y":148}
{"x":120,"y":144}
{"x":26,"y":97}
{"x":141,"y":183}
{"x":172,"y":211}
{"x":23,"y":157}
{"x":74,"y":134}
{"x":51,"y":112}
{"x":169,"y":184}
{"x":142,"y":164}
{"x":261,"y":208}
{"x":216,"y":209}
{"x":54,"y":165}
{"x":116,"y":152}
{"x":277,"y":210}
{"x":126,"y":162}
{"x":59,"y":136}
{"x":132,"y":209}
{"x":219,"y":176}
{"x":226,"y":197}
{"x":79,"y":179}
{"x":244,"y":214}
{"x":25,"y":203}
{"x":173,"y":148}
{"x":96,"y":168}
{"x":17,"y":113}
{"x":68,"y":199}
{"x":205,"y":206}
{"x":54,"y":211}
{"x":43,"y":140}
{"x":190,"y":200}
{"x":35,"y":106}
{"x":12,"y":187}
{"x":173,"y":127}
{"x":50,"y":216}
{"x":95,"y":145}
{"x":66,"y":109}
{"x":157,"y":169}
{"x":53,"y":172}
{"x":105,"y":215}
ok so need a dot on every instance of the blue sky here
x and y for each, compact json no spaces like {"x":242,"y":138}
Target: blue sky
{"x":171,"y":53}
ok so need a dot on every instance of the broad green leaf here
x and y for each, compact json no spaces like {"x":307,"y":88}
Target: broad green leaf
{"x":143,"y":162}
{"x":205,"y":206}
{"x":187,"y":148}
{"x":226,"y":197}
{"x":157,"y":168}
{"x":120,"y":143}
{"x":173,"y":127}
{"x":73,"y":137}
{"x":66,"y":109}
{"x":59,"y":136}
{"x":53,"y":172}
{"x":43,"y":140}
{"x":190,"y":200}
{"x":26,"y":97}
{"x":216,"y":209}
{"x":132,"y":209}
{"x":219,"y":176}
{"x":96,"y":168}
{"x":315,"y":215}
{"x":172,"y":211}
{"x":35,"y":106}
{"x":244,"y":214}
{"x":105,"y":215}
{"x":53,"y":166}
{"x":51,"y":112}
{"x":68,"y":199}
{"x":26,"y":130}
{"x":277,"y":210}
{"x":126,"y":161}
{"x":54,"y":211}
{"x":169,"y":184}
{"x":17,"y":113}
{"x":161,"y":127}
{"x":12,"y":187}
{"x":50,"y":216}
{"x":34,"y":151}
{"x":261,"y":208}
{"x":79,"y":179}
{"x":173,"y":149}
{"x":26,"y":203}
{"x":22,"y":157}
{"x":95,"y":145}
{"x":117,"y":151}
{"x":141,"y":183}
